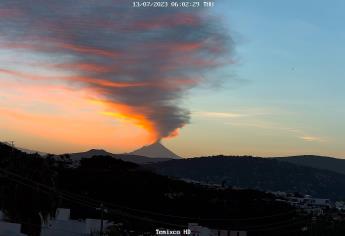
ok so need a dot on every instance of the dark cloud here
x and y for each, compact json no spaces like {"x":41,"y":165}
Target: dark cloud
{"x":142,"y":61}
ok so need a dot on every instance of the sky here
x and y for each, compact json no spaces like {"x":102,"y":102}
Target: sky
{"x":241,"y":78}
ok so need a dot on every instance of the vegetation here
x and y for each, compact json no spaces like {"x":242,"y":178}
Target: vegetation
{"x":21,"y":200}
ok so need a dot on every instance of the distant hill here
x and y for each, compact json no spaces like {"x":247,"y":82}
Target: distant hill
{"x":88,"y":154}
{"x":257,"y":173}
{"x":319,"y":162}
{"x":155,"y":150}
{"x":126,"y":157}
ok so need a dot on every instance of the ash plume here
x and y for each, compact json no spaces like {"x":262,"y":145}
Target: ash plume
{"x":140,"y":61}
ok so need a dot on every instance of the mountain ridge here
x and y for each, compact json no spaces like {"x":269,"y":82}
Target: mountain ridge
{"x":315,"y":161}
{"x":256,"y":173}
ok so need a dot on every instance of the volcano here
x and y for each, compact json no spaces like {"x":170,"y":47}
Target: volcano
{"x":155,"y":150}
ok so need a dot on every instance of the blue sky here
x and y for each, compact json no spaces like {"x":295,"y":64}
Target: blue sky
{"x":288,"y":80}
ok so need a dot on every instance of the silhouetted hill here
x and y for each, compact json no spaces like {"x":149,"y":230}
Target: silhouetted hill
{"x":155,"y":150}
{"x":319,"y":162}
{"x":257,"y":173}
{"x":26,"y":150}
{"x":126,"y":157}
{"x":88,"y":154}
{"x":140,"y":199}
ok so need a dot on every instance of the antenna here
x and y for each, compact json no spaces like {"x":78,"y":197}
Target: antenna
{"x":11,"y":143}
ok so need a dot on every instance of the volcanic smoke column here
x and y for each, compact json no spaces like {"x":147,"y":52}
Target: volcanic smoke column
{"x":141,"y":62}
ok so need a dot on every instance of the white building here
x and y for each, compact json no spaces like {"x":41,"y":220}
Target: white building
{"x":228,"y":233}
{"x":197,"y":230}
{"x":9,"y":229}
{"x":340,"y":205}
{"x":309,"y":202}
{"x":62,"y":225}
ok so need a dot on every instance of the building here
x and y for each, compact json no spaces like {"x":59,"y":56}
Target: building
{"x":62,"y":225}
{"x":307,"y":203}
{"x":9,"y":229}
{"x":197,"y":230}
{"x":340,"y":205}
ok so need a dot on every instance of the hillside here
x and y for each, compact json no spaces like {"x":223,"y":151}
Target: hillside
{"x":140,"y":199}
{"x":319,"y":162}
{"x":257,"y":173}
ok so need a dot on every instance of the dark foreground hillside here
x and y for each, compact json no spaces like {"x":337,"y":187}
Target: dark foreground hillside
{"x":152,"y":201}
{"x":141,"y":201}
{"x":257,"y":173}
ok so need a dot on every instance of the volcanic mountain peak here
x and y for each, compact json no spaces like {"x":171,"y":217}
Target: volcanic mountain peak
{"x":156,"y":150}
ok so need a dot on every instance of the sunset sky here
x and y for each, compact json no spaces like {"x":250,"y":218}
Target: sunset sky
{"x":242,"y":78}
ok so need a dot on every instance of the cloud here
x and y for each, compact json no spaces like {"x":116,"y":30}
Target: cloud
{"x":141,"y":62}
{"x":312,"y":139}
{"x":220,"y":114}
{"x":248,"y":121}
{"x":258,"y":118}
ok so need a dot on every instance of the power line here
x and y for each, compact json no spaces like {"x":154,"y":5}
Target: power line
{"x":82,"y":200}
{"x":68,"y":198}
{"x":87,"y":201}
{"x":98,"y":203}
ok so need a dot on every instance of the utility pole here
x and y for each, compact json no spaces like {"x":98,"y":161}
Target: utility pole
{"x":102,"y":218}
{"x":11,"y":143}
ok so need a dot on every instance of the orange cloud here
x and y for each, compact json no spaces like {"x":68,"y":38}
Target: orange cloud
{"x":133,"y":115}
{"x":60,"y":115}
